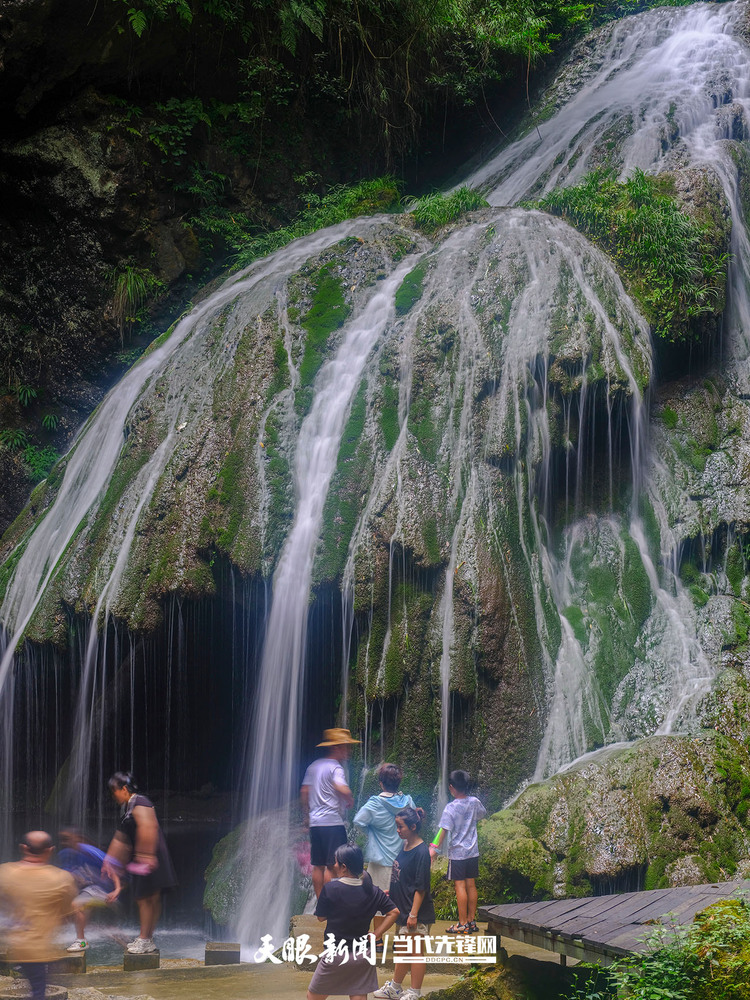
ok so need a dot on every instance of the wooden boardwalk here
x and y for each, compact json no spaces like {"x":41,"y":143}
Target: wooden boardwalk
{"x":603,"y":928}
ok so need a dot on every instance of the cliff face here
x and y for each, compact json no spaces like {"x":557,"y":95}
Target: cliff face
{"x":113,"y":145}
{"x":512,"y":540}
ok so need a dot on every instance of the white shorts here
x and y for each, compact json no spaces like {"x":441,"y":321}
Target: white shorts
{"x":91,"y":895}
{"x":380,"y":875}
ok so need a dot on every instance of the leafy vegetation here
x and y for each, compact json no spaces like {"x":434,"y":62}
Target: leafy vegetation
{"x":342,"y":202}
{"x":25,"y":394}
{"x":668,"y":258}
{"x":381,"y":63}
{"x":709,"y":960}
{"x":436,"y":210}
{"x":14,"y":438}
{"x":39,"y":460}
{"x":133,"y":287}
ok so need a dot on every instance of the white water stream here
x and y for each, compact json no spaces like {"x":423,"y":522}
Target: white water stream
{"x":674,"y":75}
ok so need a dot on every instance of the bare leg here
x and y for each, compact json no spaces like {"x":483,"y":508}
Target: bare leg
{"x":471,"y":899}
{"x":149,"y":910}
{"x":79,"y":919}
{"x":316,"y":996}
{"x":318,"y":878}
{"x":417,"y":975}
{"x":461,"y":900}
{"x":329,"y":874}
{"x":399,"y":971}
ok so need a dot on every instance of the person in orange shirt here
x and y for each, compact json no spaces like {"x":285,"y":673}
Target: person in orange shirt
{"x":38,"y":898}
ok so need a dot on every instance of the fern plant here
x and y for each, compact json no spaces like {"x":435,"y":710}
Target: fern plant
{"x":132,"y":287}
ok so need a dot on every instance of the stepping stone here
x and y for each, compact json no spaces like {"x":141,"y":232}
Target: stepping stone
{"x":140,"y":963}
{"x":73,"y":964}
{"x":222,"y":953}
{"x":22,"y":992}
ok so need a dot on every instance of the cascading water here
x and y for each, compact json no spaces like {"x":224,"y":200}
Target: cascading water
{"x":88,"y":472}
{"x":664,"y":91}
{"x":492,"y":526}
{"x":273,"y":761}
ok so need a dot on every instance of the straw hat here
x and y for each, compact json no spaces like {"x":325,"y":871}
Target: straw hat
{"x":335,"y":737}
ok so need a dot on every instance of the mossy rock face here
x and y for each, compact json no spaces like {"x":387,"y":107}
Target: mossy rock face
{"x":663,"y":812}
{"x":431,"y":522}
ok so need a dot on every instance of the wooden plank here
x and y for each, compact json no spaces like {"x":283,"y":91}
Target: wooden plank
{"x":600,"y":928}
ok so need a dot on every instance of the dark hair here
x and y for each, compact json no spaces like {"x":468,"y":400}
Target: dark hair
{"x":390,"y":777}
{"x":461,"y":780}
{"x":412,"y":817}
{"x":122,"y":779}
{"x":351,"y":856}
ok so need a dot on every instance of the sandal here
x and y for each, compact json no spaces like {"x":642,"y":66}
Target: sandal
{"x":472,"y":927}
{"x":458,"y":929}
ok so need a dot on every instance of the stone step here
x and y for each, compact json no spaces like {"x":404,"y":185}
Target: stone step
{"x":140,"y":963}
{"x":222,"y":953}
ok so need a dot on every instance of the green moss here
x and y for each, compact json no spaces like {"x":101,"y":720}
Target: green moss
{"x":655,"y":874}
{"x":735,"y":568}
{"x":431,"y":542}
{"x":161,"y":339}
{"x":410,"y":289}
{"x":8,"y":567}
{"x":669,"y":416}
{"x":575,"y":617}
{"x":389,"y":414}
{"x":231,"y":497}
{"x":422,"y":426}
{"x":278,"y":478}
{"x":700,"y":597}
{"x":348,"y":487}
{"x":280,"y":379}
{"x":513,"y":865}
{"x":328,"y":312}
{"x":740,"y":636}
{"x":636,"y":585}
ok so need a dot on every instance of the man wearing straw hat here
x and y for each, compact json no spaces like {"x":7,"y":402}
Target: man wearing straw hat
{"x":325,"y":796}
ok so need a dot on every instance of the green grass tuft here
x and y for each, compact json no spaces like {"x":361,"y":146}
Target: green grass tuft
{"x":668,"y":258}
{"x":340,"y":203}
{"x":436,"y":210}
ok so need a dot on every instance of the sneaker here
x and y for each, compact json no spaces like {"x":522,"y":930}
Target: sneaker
{"x":141,"y":946}
{"x":411,"y":994}
{"x":389,"y":991}
{"x":80,"y":945}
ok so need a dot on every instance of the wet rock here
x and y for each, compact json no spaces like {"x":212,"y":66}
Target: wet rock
{"x":663,"y":812}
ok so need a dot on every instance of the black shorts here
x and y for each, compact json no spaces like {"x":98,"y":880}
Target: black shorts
{"x":460,"y":870}
{"x":323,"y":843}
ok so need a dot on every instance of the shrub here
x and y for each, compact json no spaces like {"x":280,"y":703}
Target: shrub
{"x":667,"y":257}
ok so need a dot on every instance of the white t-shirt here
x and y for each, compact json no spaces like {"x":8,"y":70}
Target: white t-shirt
{"x":460,"y":818}
{"x":326,"y":805}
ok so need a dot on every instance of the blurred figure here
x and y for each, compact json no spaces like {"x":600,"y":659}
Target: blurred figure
{"x":84,"y":862}
{"x":38,"y":898}
{"x":139,"y":847}
{"x":378,"y":817}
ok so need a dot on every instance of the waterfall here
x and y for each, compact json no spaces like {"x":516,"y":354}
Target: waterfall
{"x":663,"y":89}
{"x":89,"y":468}
{"x":518,"y":383}
{"x":273,"y":761}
